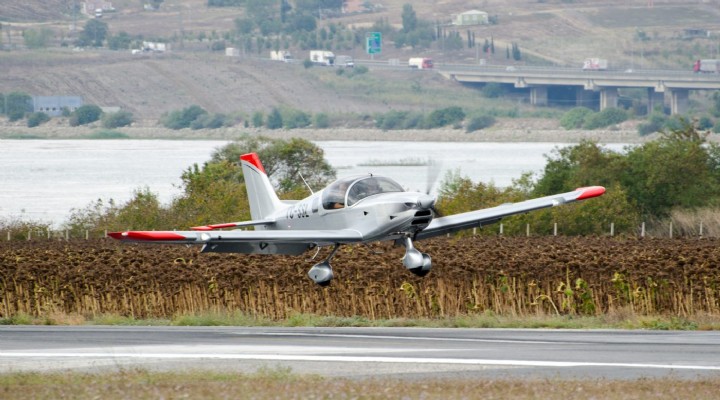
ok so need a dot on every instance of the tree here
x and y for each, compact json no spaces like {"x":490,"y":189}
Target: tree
{"x":93,"y":34}
{"x":274,"y":119}
{"x":516,"y":55}
{"x":37,"y":39}
{"x":121,"y":41}
{"x":284,"y":161}
{"x":258,"y":119}
{"x":679,"y":170}
{"x":409,"y":18}
{"x":17,"y":104}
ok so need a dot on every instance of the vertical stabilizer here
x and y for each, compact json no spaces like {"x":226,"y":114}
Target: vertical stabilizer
{"x":261,"y":195}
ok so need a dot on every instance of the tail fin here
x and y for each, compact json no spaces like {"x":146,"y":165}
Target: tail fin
{"x":261,"y":195}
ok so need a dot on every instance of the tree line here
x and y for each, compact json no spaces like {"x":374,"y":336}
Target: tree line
{"x":680,"y":171}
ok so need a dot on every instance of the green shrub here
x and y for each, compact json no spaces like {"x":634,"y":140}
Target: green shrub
{"x":321,"y":121}
{"x":210,"y":121}
{"x":480,"y":122}
{"x":307,"y":63}
{"x":604,"y":118}
{"x":117,"y":119}
{"x":575,"y":118}
{"x":274,"y":119}
{"x":391,"y":120}
{"x":647,"y":128}
{"x":414,"y":120}
{"x":705,"y":123}
{"x":218,"y":46}
{"x":183,"y":118}
{"x":492,"y":90}
{"x":445,"y":116}
{"x":36,"y":119}
{"x":85,"y":115}
{"x":359,"y":70}
{"x":258,"y":119}
{"x":293,"y":119}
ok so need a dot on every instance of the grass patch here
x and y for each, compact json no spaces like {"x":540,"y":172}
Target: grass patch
{"x":483,"y":320}
{"x":21,"y":136}
{"x":283,"y":383}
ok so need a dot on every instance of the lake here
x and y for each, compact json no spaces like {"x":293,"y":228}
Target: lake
{"x":42,"y":180}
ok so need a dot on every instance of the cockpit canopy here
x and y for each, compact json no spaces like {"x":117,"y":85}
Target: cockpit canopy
{"x":348,"y":191}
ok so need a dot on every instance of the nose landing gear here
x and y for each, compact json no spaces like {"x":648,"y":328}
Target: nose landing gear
{"x":321,"y":273}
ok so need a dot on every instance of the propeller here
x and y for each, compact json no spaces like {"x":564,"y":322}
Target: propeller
{"x":433,"y":172}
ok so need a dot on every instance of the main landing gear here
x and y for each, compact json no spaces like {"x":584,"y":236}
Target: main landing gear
{"x":416,"y":262}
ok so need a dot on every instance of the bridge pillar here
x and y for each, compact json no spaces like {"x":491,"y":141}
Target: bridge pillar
{"x":585,"y":98}
{"x":539,"y":95}
{"x":679,"y":101}
{"x":608,"y":97}
{"x":655,"y":99}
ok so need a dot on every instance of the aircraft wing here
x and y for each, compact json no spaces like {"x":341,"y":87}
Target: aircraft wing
{"x":238,"y":241}
{"x":456,"y":222}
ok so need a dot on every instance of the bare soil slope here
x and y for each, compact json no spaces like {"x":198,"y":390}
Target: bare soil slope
{"x":552,"y":31}
{"x":150,"y":85}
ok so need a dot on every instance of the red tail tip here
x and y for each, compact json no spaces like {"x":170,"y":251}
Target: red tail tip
{"x":253,"y":159}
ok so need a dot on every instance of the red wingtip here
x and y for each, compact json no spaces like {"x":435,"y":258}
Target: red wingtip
{"x":146,"y":235}
{"x":590,"y":192}
{"x":253,"y":159}
{"x":201,"y":228}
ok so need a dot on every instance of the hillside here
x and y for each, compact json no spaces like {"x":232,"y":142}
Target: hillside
{"x":556,"y":32}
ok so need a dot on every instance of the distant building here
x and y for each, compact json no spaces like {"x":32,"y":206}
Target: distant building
{"x":472,"y":17}
{"x":54,"y":105}
{"x":353,"y":6}
{"x":690,"y":33}
{"x":90,"y":7}
{"x":158,"y":47}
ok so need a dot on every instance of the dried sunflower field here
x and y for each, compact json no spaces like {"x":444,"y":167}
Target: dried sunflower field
{"x":516,"y":276}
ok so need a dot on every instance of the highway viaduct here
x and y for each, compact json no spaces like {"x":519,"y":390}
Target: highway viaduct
{"x":675,"y":85}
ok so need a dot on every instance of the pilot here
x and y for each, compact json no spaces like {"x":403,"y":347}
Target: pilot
{"x":339,"y":195}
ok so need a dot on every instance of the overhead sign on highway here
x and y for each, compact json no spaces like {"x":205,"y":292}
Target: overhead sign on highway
{"x":373,"y":42}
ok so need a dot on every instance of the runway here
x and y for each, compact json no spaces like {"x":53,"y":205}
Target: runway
{"x":366,"y":352}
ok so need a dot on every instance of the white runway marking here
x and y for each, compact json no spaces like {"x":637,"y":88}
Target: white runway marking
{"x":440,"y":339}
{"x":402,"y":360}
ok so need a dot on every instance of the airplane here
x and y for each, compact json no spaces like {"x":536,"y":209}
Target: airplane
{"x":351,"y":210}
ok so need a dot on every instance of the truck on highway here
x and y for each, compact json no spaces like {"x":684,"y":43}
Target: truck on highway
{"x":595,"y":64}
{"x":420,"y":63}
{"x":344,"y":61}
{"x":281,"y":55}
{"x":707,"y":66}
{"x":322,"y":57}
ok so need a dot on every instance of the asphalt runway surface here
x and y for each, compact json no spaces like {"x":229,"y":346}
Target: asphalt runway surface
{"x":407,"y":353}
